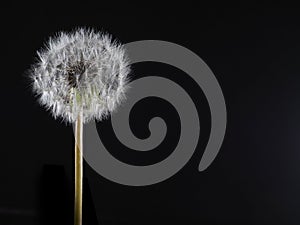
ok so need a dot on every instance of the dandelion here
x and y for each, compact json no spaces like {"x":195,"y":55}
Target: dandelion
{"x":80,"y":76}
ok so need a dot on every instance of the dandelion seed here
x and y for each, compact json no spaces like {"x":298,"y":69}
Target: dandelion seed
{"x":81,"y":71}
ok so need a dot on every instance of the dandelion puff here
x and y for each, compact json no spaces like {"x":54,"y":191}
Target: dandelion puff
{"x":81,"y":72}
{"x":80,"y":76}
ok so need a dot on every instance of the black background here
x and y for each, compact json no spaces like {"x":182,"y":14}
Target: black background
{"x":255,"y":179}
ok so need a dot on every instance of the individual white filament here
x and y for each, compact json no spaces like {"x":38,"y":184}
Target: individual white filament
{"x":82,"y":71}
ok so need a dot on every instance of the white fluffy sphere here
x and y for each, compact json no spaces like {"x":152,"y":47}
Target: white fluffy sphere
{"x":81,"y":72}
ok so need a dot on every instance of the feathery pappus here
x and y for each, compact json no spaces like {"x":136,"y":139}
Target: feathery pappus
{"x":81,"y":72}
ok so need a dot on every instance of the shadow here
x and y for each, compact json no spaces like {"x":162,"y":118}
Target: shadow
{"x":56,"y":198}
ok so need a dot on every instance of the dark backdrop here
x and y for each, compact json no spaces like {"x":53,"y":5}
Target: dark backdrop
{"x":255,"y":179}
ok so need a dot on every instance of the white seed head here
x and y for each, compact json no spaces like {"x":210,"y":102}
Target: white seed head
{"x":81,"y":72}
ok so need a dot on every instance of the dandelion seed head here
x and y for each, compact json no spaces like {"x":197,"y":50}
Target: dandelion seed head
{"x":81,"y":72}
